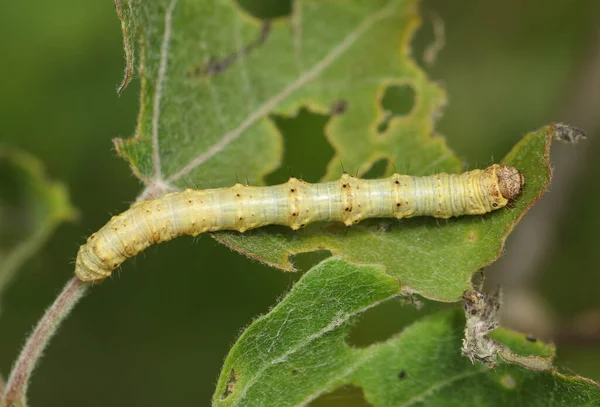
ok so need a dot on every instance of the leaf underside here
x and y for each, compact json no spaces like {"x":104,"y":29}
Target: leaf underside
{"x":205,"y":97}
{"x":298,"y":352}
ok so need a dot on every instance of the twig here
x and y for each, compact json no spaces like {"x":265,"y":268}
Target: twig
{"x":18,"y":380}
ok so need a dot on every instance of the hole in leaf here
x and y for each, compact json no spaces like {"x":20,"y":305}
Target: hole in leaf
{"x":342,"y":397}
{"x":377,"y":170}
{"x":388,"y":319}
{"x":306,"y":150}
{"x":266,"y":9}
{"x":398,"y":100}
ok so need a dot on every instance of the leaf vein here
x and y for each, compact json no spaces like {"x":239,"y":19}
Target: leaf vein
{"x":336,"y":322}
{"x":162,"y":70}
{"x":303,"y":79}
{"x":422,"y":396}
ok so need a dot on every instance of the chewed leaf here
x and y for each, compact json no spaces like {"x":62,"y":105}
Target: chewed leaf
{"x":298,"y":352}
{"x":31,"y":207}
{"x":211,"y":76}
{"x":301,"y":341}
{"x":433,"y":258}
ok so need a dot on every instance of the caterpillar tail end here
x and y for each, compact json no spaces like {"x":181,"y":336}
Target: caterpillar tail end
{"x":510,"y":181}
{"x":86,"y":269}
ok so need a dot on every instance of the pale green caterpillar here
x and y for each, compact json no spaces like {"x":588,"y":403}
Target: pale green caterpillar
{"x":294,"y":204}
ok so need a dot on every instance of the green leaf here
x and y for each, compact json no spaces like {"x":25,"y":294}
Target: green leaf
{"x":433,"y":258}
{"x":212,"y":75}
{"x":31,"y":207}
{"x":298,"y":352}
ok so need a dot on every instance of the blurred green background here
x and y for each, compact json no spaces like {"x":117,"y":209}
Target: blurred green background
{"x":157,"y":334}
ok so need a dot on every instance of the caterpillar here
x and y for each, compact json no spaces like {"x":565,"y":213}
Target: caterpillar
{"x":294,"y":204}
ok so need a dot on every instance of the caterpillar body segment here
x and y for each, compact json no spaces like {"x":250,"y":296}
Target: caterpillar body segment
{"x":294,"y":204}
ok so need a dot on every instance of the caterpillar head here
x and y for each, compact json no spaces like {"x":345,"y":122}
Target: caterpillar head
{"x":510,"y":181}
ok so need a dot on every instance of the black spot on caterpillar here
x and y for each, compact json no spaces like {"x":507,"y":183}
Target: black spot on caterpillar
{"x":294,"y":204}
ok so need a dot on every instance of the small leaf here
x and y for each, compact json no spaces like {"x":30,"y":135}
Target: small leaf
{"x":298,"y":352}
{"x":31,"y":207}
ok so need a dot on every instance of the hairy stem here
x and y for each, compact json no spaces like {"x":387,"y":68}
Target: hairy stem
{"x":18,"y":380}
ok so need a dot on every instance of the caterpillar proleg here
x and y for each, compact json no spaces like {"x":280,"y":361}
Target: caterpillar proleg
{"x":294,"y":204}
